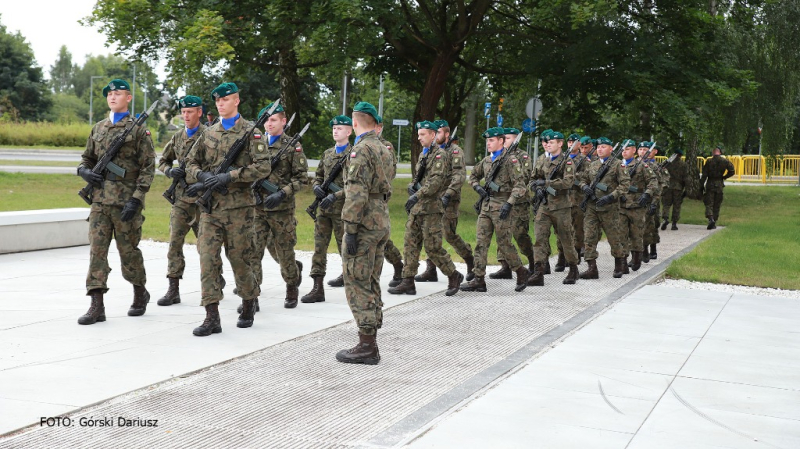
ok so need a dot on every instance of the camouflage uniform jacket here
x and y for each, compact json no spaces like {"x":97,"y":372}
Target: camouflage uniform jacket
{"x":527,"y":173}
{"x":458,"y":172}
{"x":561,"y":183}
{"x":716,"y":171}
{"x":580,"y":164}
{"x":509,"y":178}
{"x":644,"y":180}
{"x":136,"y":156}
{"x":434,"y":182}
{"x":209,"y":152}
{"x":291,"y":173}
{"x":326,"y":164}
{"x":663,"y":182}
{"x":176,"y":150}
{"x":368,"y":184}
{"x":677,"y":174}
{"x":616,"y":182}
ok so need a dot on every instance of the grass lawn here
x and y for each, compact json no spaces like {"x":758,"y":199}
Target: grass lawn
{"x":37,"y":147}
{"x":39,"y":163}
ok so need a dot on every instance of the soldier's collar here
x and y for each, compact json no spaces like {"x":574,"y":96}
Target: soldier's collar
{"x":117,"y":116}
{"x":228,"y":123}
{"x":190,"y":131}
{"x":340,"y":149}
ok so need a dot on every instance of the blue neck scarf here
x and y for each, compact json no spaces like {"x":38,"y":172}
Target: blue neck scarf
{"x":628,"y":161}
{"x":119,"y":116}
{"x":497,"y":154}
{"x":339,"y":149}
{"x":552,"y":158}
{"x":572,"y":156}
{"x":359,"y":137}
{"x":190,"y":131}
{"x":272,"y":139}
{"x":425,"y":151}
{"x":603,"y":159}
{"x":442,"y":145}
{"x":228,"y":123}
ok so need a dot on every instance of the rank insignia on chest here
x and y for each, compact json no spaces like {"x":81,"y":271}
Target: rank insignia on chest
{"x":353,"y":154}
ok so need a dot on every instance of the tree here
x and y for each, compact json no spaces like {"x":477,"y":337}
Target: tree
{"x":22,"y":86}
{"x":62,"y":72}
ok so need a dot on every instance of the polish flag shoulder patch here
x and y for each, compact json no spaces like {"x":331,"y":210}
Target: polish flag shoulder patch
{"x":514,"y":161}
{"x":147,"y":131}
{"x":353,"y":154}
{"x":455,"y":151}
{"x":569,"y":162}
{"x":298,"y":149}
{"x":525,"y":156}
{"x":438,"y":156}
{"x":256,"y":136}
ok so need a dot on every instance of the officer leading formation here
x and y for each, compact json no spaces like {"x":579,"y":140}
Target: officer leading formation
{"x":234,"y":183}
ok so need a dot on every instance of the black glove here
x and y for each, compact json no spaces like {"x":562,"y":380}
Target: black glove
{"x":319,"y":192}
{"x":480,"y":191}
{"x":605,"y":200}
{"x":446,"y":199}
{"x":623,"y":198}
{"x":505,"y":211}
{"x":328,"y":201}
{"x":274,"y":199}
{"x":411,"y":190}
{"x":537,"y":183}
{"x":176,"y":173}
{"x":130,"y":209}
{"x":351,"y":242}
{"x":203,"y":175}
{"x":644,"y":199}
{"x":587,"y":191}
{"x":217,"y":182}
{"x":540,"y":194}
{"x":412,"y":200}
{"x":194,"y":189}
{"x":651,"y":209}
{"x":89,"y":176}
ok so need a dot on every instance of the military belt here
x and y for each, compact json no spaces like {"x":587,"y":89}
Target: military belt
{"x":129,"y":176}
{"x":501,"y":196}
{"x":379,"y":196}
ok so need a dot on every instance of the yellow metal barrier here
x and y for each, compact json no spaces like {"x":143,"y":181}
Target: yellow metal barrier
{"x":754,"y":168}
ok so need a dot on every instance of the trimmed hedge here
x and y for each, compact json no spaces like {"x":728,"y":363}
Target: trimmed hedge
{"x":44,"y":134}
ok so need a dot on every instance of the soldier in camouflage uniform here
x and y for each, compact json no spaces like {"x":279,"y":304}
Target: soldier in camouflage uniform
{"x":504,"y":187}
{"x":425,"y":212}
{"x":553,"y":181}
{"x":366,"y":224}
{"x":232,"y":215}
{"x":602,"y":209}
{"x":580,"y":163}
{"x":275,"y":223}
{"x":644,"y":186}
{"x":712,"y":182}
{"x":651,"y":237}
{"x":329,"y":216}
{"x":545,"y":136}
{"x":673,"y":196}
{"x":391,"y":252}
{"x":117,"y":202}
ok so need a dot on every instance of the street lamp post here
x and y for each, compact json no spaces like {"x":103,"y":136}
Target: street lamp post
{"x":91,"y":96}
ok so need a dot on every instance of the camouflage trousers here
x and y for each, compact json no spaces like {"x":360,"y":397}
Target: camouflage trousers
{"x":520,"y":227}
{"x":577,"y":228}
{"x":232,"y":228}
{"x":278,"y":232}
{"x":672,"y":198}
{"x":183,"y":217}
{"x":713,"y":201}
{"x":323,"y":228}
{"x":594,"y":223}
{"x":392,"y":253}
{"x":425,"y":229}
{"x":105,"y":223}
{"x":450,"y":224}
{"x":561,"y":221}
{"x":632,"y":225}
{"x":490,"y":223}
{"x":362,"y":273}
{"x":651,"y":224}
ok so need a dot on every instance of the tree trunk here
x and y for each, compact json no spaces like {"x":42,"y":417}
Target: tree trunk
{"x":290,"y":87}
{"x":692,"y":172}
{"x":470,"y":131}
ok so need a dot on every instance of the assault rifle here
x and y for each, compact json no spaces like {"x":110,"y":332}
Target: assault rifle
{"x":664,"y":163}
{"x":169,"y":194}
{"x":423,"y":167}
{"x":632,"y":171}
{"x":233,"y":153}
{"x":105,"y":164}
{"x":596,"y":184}
{"x":538,"y":202}
{"x":264,"y":183}
{"x":490,"y":185}
{"x":328,"y":185}
{"x":580,"y":164}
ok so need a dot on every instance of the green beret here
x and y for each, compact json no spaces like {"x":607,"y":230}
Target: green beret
{"x":586,"y":140}
{"x":441,"y":124}
{"x":628,"y":143}
{"x":116,"y":84}
{"x":341,"y":120}
{"x":190,"y":101}
{"x":555,"y":135}
{"x":546,"y":135}
{"x":425,"y":124}
{"x":603,"y":141}
{"x":645,"y":144}
{"x":366,"y":108}
{"x":379,"y":120}
{"x":223,"y":90}
{"x":678,"y":150}
{"x":573,"y":136}
{"x":494,"y":132}
{"x":511,"y":131}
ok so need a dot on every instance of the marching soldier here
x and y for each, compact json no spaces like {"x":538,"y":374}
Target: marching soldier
{"x":366,"y":225}
{"x":712,"y":182}
{"x":579,"y":165}
{"x":232,"y":215}
{"x":504,"y":187}
{"x":117,"y":202}
{"x":425,"y":212}
{"x":553,"y":186}
{"x":673,"y":196}
{"x":602,"y":214}
{"x":545,"y":136}
{"x":633,"y":204}
{"x":391,"y":252}
{"x":651,"y":237}
{"x":329,"y":218}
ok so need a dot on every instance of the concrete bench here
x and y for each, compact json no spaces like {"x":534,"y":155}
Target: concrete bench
{"x":31,"y":230}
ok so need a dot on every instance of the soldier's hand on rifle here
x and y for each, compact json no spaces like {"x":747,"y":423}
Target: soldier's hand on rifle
{"x":651,"y":209}
{"x":480,"y":191}
{"x":587,"y":191}
{"x":540,"y":194}
{"x":351,"y":242}
{"x":605,"y":200}
{"x":505,"y":210}
{"x":327,"y":202}
{"x":537,"y":184}
{"x":204,"y":175}
{"x":274,"y":199}
{"x":194,"y":189}
{"x":89,"y":176}
{"x":176,"y":173}
{"x":130,"y":209}
{"x":412,"y":200}
{"x":644,"y":199}
{"x":217,"y":182}
{"x":446,"y":199}
{"x":411,"y":189}
{"x":319,"y":192}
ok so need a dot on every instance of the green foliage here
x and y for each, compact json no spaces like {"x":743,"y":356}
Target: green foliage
{"x":67,"y":108}
{"x":23,"y":93}
{"x":62,"y":73}
{"x":46,"y":134}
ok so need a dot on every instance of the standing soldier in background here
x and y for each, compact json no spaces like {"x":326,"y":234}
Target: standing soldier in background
{"x":497,"y":201}
{"x":634,"y":203}
{"x":329,"y":218}
{"x":211,"y":118}
{"x":712,"y":182}
{"x":673,"y":195}
{"x":117,"y":202}
{"x":184,"y":214}
{"x":366,"y":224}
{"x":425,"y":212}
{"x":579,"y":165}
{"x":391,"y":252}
{"x":651,"y":237}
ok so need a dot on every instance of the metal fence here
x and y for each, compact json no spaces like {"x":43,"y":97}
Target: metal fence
{"x":763,"y":169}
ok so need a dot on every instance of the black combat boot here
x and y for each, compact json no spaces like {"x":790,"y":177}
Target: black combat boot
{"x":580,"y":254}
{"x":453,"y":282}
{"x":503,"y":273}
{"x":674,"y":226}
{"x":241,"y":307}
{"x":477,"y":284}
{"x":397,"y":277}
{"x":317,"y":293}
{"x":173,"y":295}
{"x":591,"y":272}
{"x":653,"y":252}
{"x":712,"y":224}
{"x":537,"y":278}
{"x":429,"y":275}
{"x":636,"y":260}
{"x":406,"y":287}
{"x":97,"y":311}
{"x":299,"y":272}
{"x":572,"y":276}
{"x":337,"y":282}
{"x":366,"y":351}
{"x":522,"y":278}
{"x":625,"y":267}
{"x":561,"y":264}
{"x":140,"y":299}
{"x":248,"y":313}
{"x":546,"y":266}
{"x":211,"y":325}
{"x":645,"y":255}
{"x":664,"y":224}
{"x":291,"y":297}
{"x":618,"y":267}
{"x":470,"y":261}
